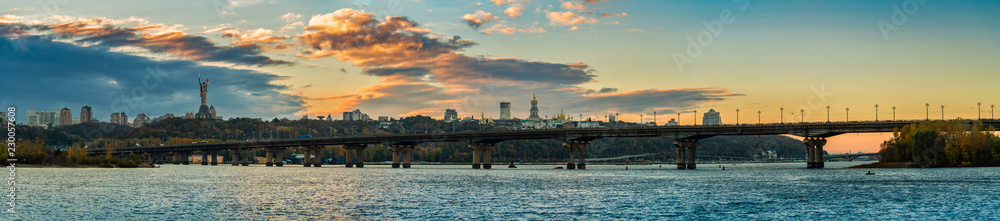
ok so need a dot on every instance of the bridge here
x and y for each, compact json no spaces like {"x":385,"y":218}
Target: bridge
{"x":482,"y":143}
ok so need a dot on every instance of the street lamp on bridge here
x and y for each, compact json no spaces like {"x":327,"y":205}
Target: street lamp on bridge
{"x":758,"y":117}
{"x":942,"y":112}
{"x":802,"y":114}
{"x":980,"y":106}
{"x":696,"y":117}
{"x":893,"y":113}
{"x":828,"y":114}
{"x":848,"y":114}
{"x":991,"y":112}
{"x":928,"y":105}
{"x":782,"y":115}
{"x":737,"y":116}
{"x":876,"y":112}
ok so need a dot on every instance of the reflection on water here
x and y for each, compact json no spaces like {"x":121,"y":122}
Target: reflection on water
{"x":746,"y":191}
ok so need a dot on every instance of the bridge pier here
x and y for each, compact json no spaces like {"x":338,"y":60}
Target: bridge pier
{"x":246,"y":156}
{"x":186,"y":158}
{"x":814,"y":153}
{"x":176,"y":159}
{"x":270,"y":158}
{"x":574,"y":148}
{"x":305,"y":158}
{"x":687,"y":151}
{"x":318,"y":160}
{"x":215,"y":157}
{"x":485,"y":150}
{"x":204,"y":158}
{"x":280,"y":157}
{"x":355,"y":150}
{"x":232,"y":157}
{"x":401,"y":151}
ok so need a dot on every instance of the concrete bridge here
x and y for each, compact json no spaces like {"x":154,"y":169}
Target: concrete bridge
{"x":482,"y":143}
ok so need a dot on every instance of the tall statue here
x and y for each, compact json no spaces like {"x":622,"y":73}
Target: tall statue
{"x":204,"y":89}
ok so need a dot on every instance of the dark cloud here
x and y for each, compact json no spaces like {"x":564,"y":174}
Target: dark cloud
{"x":156,"y":38}
{"x":53,"y":74}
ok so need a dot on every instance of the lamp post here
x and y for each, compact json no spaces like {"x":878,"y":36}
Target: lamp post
{"x":876,"y":113}
{"x":942,"y":112}
{"x":928,"y":105}
{"x":980,"y":107}
{"x":758,"y":117}
{"x":640,"y":119}
{"x":893,"y":113}
{"x":828,"y":114}
{"x":782,"y":115}
{"x":848,"y":114}
{"x":802,"y":114}
{"x":654,"y":118}
{"x":696,"y":117}
{"x":737,"y":116}
{"x":991,"y":111}
{"x":678,"y":118}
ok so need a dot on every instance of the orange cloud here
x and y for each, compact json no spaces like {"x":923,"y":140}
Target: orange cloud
{"x":568,"y":18}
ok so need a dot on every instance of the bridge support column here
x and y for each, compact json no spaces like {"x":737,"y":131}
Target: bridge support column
{"x":355,"y":150}
{"x":176,"y":158}
{"x":280,"y":157}
{"x":305,"y":158}
{"x":215,"y":157}
{"x":401,"y":152}
{"x":569,"y":159}
{"x":318,"y":160}
{"x":577,"y":147}
{"x":814,"y":155}
{"x":270,"y":157}
{"x":185,"y":158}
{"x":233,"y":157}
{"x":348,"y":156}
{"x":204,"y":158}
{"x":687,"y":153}
{"x":246,"y":156}
{"x":482,"y":155}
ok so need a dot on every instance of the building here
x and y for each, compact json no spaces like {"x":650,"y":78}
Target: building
{"x":115,"y":117}
{"x":86,"y":114}
{"x":140,"y":120}
{"x":355,"y":115}
{"x":450,"y":115}
{"x":711,"y":118}
{"x":672,"y":122}
{"x":189,"y":115}
{"x":204,"y":112}
{"x":42,"y":118}
{"x":211,"y":110}
{"x":383,"y":118}
{"x":505,"y":110}
{"x":611,"y":118}
{"x":534,"y":109}
{"x":65,"y":116}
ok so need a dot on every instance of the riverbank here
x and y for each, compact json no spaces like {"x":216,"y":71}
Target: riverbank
{"x":144,"y":165}
{"x":887,"y":165}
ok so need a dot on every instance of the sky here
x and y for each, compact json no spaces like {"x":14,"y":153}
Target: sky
{"x":789,"y":60}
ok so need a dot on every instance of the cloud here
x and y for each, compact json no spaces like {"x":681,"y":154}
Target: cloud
{"x":502,"y":2}
{"x":157,"y":38}
{"x":422,"y":74}
{"x":289,"y":17}
{"x":636,"y":30}
{"x":514,"y":11}
{"x":569,"y":5}
{"x":568,"y":18}
{"x":476,"y":20}
{"x":111,"y":81}
{"x":593,"y":1}
{"x":621,"y":14}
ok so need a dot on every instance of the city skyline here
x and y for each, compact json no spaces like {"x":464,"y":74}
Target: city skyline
{"x":404,"y":58}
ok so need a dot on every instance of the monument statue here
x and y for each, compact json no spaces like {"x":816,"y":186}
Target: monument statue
{"x":204,"y":112}
{"x":204,"y":89}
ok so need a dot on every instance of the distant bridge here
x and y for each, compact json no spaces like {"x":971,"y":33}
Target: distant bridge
{"x":576,"y":140}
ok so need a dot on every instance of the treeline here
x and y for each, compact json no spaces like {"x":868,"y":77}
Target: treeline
{"x":37,"y":152}
{"x":943,"y":144}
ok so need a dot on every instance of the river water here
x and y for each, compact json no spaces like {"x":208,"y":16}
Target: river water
{"x":602,"y":192}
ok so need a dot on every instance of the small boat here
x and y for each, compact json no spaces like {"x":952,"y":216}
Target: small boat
{"x":558,"y":168}
{"x":511,"y":165}
{"x":870,"y":173}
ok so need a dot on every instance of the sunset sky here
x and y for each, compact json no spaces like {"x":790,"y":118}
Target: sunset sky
{"x":592,"y":58}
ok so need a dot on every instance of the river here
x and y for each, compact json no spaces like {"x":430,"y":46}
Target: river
{"x":439,"y":192}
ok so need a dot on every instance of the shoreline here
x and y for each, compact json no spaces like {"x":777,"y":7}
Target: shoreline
{"x":77,"y":166}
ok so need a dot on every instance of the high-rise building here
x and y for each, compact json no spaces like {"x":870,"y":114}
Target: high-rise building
{"x":505,"y":110}
{"x":356,"y":115}
{"x":534,"y":109}
{"x":611,"y":118}
{"x":42,"y":118}
{"x":124,"y":120}
{"x":65,"y":116}
{"x":140,"y":120}
{"x":116,"y":118}
{"x":86,"y":115}
{"x":711,"y":118}
{"x":450,"y":115}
